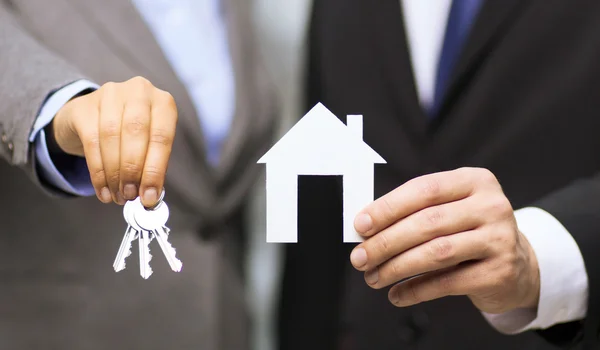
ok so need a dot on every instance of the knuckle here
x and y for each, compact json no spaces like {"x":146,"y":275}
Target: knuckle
{"x":505,"y":240}
{"x":131,"y":168}
{"x":166,"y":98}
{"x":486,"y":177}
{"x":136,"y":125}
{"x":441,"y":250}
{"x":430,"y":189}
{"x":431,"y":218}
{"x":500,"y":207}
{"x":382,"y":244}
{"x":161,"y":137}
{"x":91,"y":141}
{"x":113,"y":177}
{"x":466,"y":172}
{"x":395,"y":269}
{"x":444,"y":282}
{"x":108,"y":87}
{"x":98,"y":177}
{"x":140,"y":81}
{"x":386,"y":208}
{"x":110,"y":130}
{"x":153,"y":173}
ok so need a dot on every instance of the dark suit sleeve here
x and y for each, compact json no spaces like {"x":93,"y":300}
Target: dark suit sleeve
{"x":577,"y":207}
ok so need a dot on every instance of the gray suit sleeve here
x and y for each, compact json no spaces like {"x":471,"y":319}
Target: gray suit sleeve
{"x":29,"y":72}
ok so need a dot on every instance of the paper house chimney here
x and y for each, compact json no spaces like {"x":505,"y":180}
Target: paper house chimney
{"x":355,"y":125}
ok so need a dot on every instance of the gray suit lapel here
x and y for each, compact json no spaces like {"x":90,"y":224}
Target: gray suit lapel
{"x":240,"y":46}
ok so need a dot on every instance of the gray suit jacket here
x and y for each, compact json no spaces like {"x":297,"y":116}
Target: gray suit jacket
{"x":57,"y":286}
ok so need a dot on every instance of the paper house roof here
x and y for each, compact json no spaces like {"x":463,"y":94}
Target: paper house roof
{"x":320,"y":136}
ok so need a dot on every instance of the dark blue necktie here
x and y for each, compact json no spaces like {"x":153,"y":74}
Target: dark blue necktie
{"x":460,"y":19}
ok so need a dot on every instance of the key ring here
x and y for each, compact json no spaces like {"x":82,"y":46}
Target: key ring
{"x":160,"y":201}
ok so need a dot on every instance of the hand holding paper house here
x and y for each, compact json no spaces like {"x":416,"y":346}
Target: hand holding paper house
{"x":319,"y":144}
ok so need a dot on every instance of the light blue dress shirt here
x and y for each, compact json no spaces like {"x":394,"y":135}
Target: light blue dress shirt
{"x":193,"y":38}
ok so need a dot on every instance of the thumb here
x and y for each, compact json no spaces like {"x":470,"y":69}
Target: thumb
{"x":65,"y":131}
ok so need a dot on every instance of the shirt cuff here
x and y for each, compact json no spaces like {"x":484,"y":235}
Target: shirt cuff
{"x":563,"y":278}
{"x":73,"y":177}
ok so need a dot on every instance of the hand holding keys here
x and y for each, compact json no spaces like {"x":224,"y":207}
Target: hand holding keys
{"x":145,"y":225}
{"x":125,"y":131}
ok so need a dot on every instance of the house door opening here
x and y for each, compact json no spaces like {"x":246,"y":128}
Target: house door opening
{"x":320,"y":209}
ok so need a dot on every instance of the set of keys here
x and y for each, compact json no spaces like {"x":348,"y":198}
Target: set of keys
{"x":144,"y":225}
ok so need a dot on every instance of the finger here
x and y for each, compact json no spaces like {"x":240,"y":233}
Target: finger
{"x":134,"y":142}
{"x":437,"y":254}
{"x":162,"y":134}
{"x":457,"y":280}
{"x":417,"y":228}
{"x":111,"y":112}
{"x":417,"y":194}
{"x":86,"y":127}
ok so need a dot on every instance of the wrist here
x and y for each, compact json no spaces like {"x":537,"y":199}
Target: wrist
{"x":533,"y":278}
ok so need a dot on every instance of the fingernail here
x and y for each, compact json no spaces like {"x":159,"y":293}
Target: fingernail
{"x":363,"y":223}
{"x":151,"y":196}
{"x":120,"y":198}
{"x":358,"y":257}
{"x":372,"y":276}
{"x":130,"y":191}
{"x":105,"y":195}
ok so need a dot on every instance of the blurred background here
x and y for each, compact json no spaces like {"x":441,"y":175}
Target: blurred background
{"x":281,"y":28}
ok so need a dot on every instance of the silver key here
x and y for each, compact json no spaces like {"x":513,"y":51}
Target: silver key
{"x":131,"y":234}
{"x":145,"y":256}
{"x":168,"y":250}
{"x":154,"y":221}
{"x":134,"y":206}
{"x":144,"y":237}
{"x":125,"y":249}
{"x":128,"y":210}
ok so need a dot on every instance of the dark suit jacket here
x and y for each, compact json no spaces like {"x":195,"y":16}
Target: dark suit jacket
{"x":523,"y":102}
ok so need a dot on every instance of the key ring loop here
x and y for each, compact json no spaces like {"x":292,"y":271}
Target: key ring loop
{"x":160,"y":201}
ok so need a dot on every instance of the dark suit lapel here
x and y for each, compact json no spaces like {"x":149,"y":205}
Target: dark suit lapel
{"x":452,"y":131}
{"x":494,"y":19}
{"x":126,"y":32}
{"x":385,"y":20}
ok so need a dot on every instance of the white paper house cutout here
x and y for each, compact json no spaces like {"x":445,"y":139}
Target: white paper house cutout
{"x":319,"y":144}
